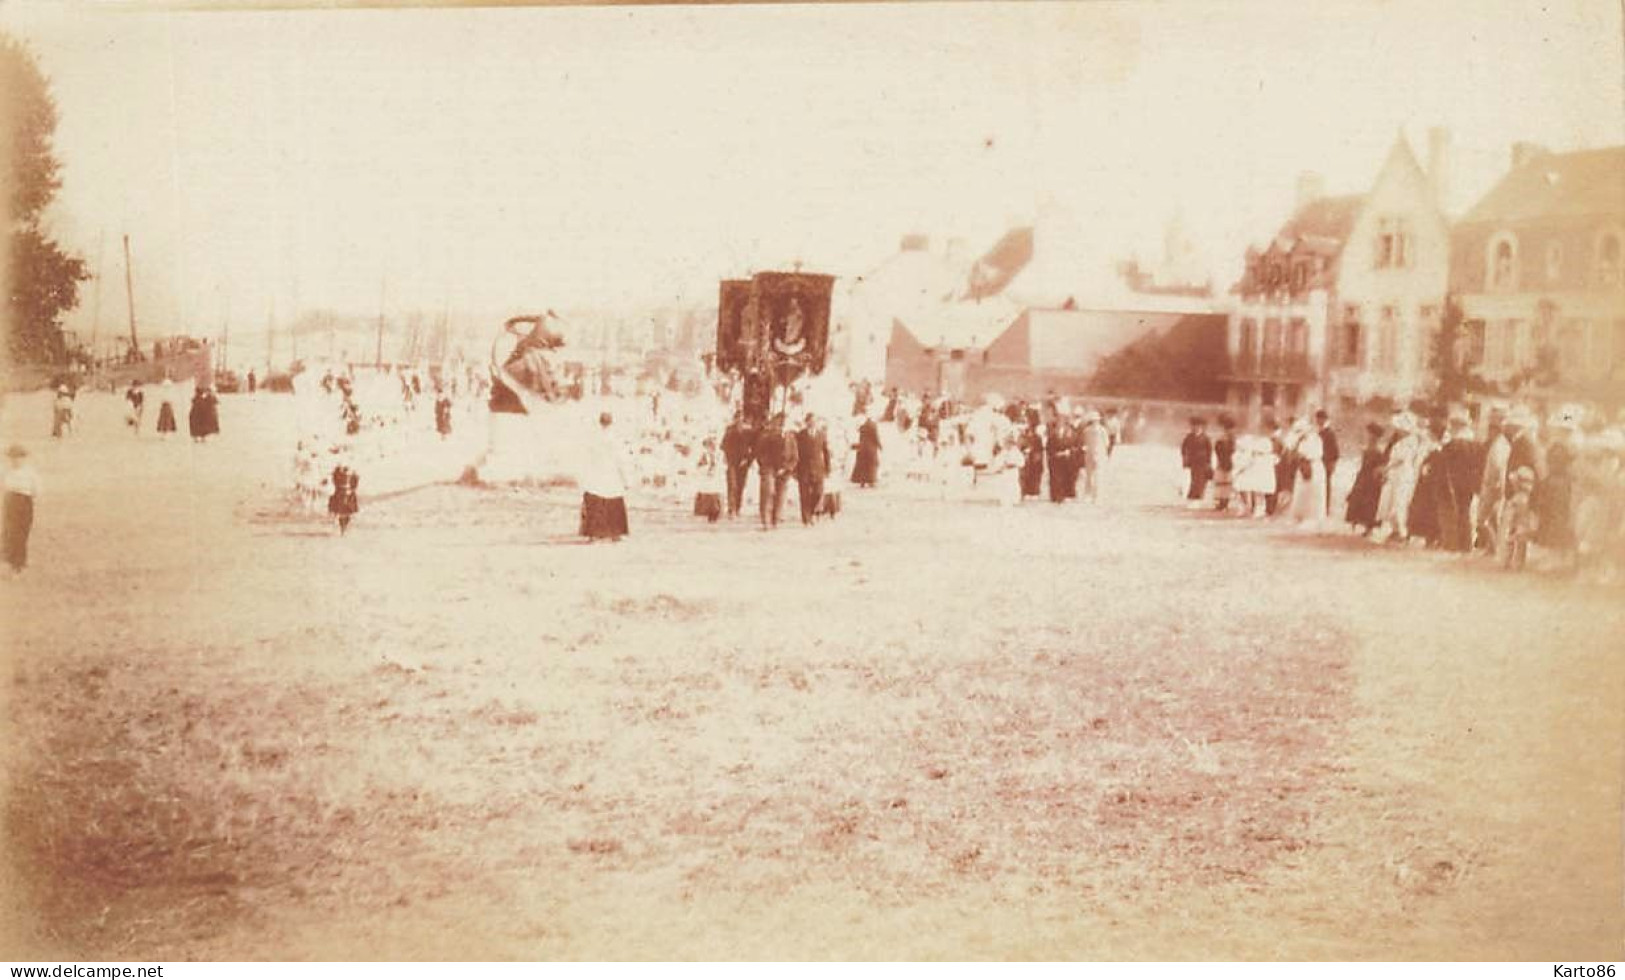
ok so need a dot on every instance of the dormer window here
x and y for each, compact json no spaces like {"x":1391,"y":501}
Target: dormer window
{"x":1503,"y":262}
{"x":1393,"y":244}
{"x":1608,"y":259}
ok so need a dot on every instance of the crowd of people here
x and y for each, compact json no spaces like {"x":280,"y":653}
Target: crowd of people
{"x":349,"y":420}
{"x":1496,"y":485}
{"x":1491,"y":487}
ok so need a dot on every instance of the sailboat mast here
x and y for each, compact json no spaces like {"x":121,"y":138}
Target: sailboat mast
{"x":96,"y":315}
{"x":378,"y":352}
{"x":129,"y":295}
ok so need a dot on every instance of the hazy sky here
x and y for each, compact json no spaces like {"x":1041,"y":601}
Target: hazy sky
{"x":497,"y":158}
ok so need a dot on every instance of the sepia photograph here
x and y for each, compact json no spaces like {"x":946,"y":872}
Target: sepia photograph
{"x":977,"y":481}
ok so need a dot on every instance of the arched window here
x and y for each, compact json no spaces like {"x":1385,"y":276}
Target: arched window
{"x":1503,"y":262}
{"x":1608,"y":259}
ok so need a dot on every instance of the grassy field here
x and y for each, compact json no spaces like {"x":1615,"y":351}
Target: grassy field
{"x":930,"y":729}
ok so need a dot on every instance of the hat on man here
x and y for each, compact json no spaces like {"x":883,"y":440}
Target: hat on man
{"x":16,"y":451}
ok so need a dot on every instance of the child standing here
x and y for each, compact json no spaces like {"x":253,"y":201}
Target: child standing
{"x":343,"y":503}
{"x":22,"y":487}
{"x":138,"y":401}
{"x":166,"y":408}
{"x":1518,"y":516}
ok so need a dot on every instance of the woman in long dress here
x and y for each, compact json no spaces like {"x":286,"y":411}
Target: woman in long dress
{"x":1032,"y":460}
{"x":866,"y":470}
{"x":1554,"y":498}
{"x":1432,"y":492}
{"x":204,"y":419}
{"x":1309,"y":493}
{"x":603,"y":487}
{"x":22,"y":487}
{"x":1367,"y":489}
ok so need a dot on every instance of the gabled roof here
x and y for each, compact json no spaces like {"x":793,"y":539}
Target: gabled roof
{"x":1325,"y":220}
{"x":1586,"y":182}
{"x":911,"y":279}
{"x":1001,"y":265}
{"x":962,"y":326}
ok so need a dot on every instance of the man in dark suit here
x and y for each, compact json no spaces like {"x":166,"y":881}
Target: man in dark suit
{"x":775,"y":463}
{"x":812,"y":467}
{"x":738,"y":445}
{"x":1196,"y":455}
{"x":1328,"y":451}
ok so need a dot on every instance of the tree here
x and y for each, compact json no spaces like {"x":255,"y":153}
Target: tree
{"x":1545,"y":371}
{"x":42,"y":279}
{"x":1181,"y":363}
{"x":1448,"y":360}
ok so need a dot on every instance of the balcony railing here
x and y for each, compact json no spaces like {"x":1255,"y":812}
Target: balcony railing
{"x":1271,"y":366}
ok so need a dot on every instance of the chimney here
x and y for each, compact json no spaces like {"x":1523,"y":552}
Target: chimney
{"x":1439,"y":165}
{"x":1524,"y":153}
{"x":1311,"y":188}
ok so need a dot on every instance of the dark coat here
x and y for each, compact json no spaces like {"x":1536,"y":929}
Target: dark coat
{"x":812,"y":456}
{"x":1328,"y":448}
{"x":1430,"y":511}
{"x":737,"y":443}
{"x":1196,"y":452}
{"x":1032,"y":463}
{"x":774,"y":450}
{"x":1554,"y":500}
{"x":205,"y":415}
{"x":866,"y":468}
{"x":1367,"y":489}
{"x":1463,"y":463}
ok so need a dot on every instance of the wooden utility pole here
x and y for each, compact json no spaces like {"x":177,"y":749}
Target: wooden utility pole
{"x":129,"y":295}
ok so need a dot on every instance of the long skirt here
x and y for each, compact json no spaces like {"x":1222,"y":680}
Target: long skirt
{"x":603,"y":517}
{"x":1554,"y":502}
{"x":166,"y":417}
{"x":866,"y":470}
{"x":1309,"y":502}
{"x":19,"y":521}
{"x":1032,"y":478}
{"x":1364,"y":497}
{"x":204,"y":421}
{"x":1394,"y":502}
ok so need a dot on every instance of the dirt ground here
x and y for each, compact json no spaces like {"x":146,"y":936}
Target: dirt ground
{"x":930,"y":729}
